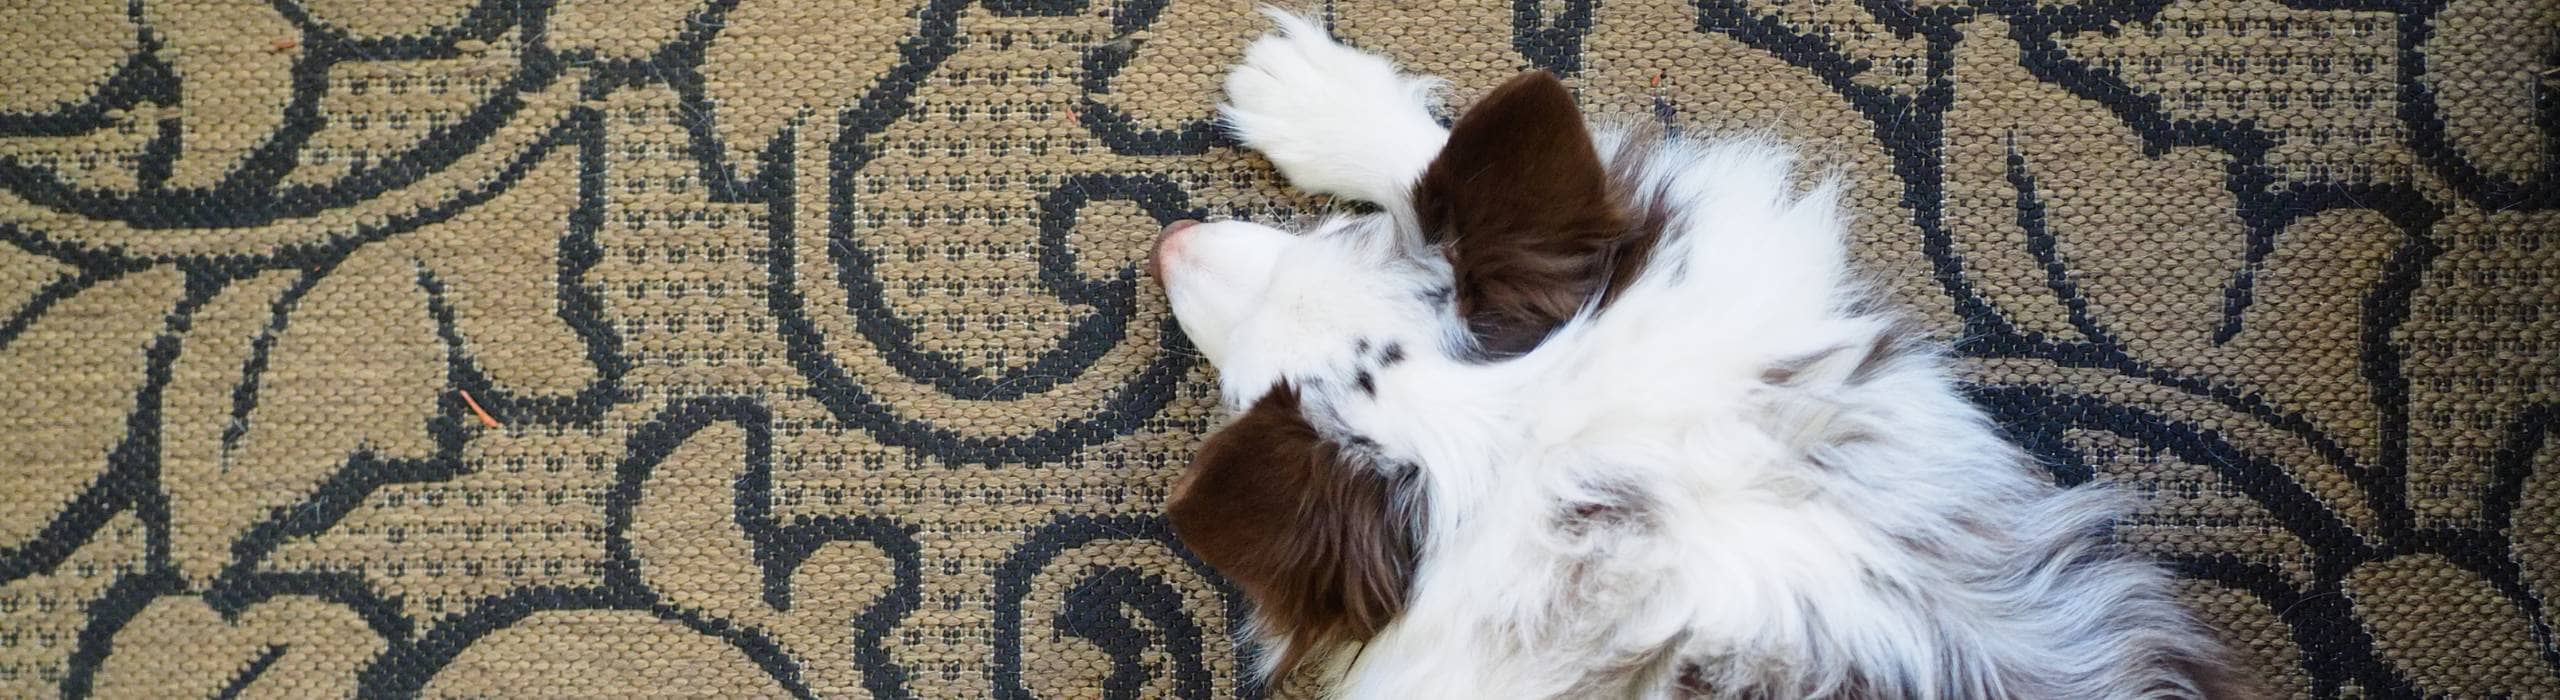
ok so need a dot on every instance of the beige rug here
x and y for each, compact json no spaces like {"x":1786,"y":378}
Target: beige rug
{"x":781,"y":347}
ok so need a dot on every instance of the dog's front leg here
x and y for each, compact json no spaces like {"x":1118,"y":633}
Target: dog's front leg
{"x":1334,"y":120}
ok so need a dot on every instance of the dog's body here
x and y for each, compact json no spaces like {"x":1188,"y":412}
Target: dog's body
{"x":1607,"y":415}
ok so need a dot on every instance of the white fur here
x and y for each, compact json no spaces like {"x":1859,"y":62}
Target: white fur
{"x":1332,"y":119}
{"x":1794,"y":536}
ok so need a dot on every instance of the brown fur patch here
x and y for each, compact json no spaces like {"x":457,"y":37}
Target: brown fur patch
{"x":1692,"y":682}
{"x":2218,"y":680}
{"x":1610,"y":505}
{"x":1649,"y":216}
{"x":1784,"y":372}
{"x":1905,"y":336}
{"x":1324,"y":547}
{"x":1532,"y":222}
{"x":1902,"y":338}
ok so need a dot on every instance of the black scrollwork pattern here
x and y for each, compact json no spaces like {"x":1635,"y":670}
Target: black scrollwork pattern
{"x":448,"y":346}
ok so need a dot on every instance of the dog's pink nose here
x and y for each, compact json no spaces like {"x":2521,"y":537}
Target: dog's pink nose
{"x":1164,"y":246}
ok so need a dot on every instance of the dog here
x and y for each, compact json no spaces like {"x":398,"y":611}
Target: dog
{"x":1584,"y":411}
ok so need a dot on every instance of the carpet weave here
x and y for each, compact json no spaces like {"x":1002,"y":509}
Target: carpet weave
{"x":784,"y":347}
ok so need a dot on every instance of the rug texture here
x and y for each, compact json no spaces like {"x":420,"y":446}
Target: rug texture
{"x":783,"y":347}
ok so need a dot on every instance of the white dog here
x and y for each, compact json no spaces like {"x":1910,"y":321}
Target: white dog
{"x":1584,"y":413}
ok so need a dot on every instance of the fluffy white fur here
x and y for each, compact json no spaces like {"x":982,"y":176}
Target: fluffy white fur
{"x":1793,"y":529}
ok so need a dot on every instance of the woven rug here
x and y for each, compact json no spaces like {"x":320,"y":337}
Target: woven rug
{"x":777,"y":347}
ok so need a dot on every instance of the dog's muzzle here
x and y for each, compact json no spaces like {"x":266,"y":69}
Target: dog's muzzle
{"x":1165,"y":243}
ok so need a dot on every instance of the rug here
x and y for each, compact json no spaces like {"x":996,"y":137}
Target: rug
{"x":770,"y":347}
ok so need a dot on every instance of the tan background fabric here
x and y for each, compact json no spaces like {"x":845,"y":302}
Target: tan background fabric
{"x":820,"y":362}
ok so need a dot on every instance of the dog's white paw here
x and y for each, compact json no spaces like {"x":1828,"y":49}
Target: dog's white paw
{"x":1333,"y":119}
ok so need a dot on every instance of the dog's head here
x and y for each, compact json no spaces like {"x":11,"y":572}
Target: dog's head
{"x":1516,"y":227}
{"x":1511,"y":231}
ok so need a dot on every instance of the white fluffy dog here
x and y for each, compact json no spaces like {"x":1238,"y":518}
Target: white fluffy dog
{"x":1599,"y":413}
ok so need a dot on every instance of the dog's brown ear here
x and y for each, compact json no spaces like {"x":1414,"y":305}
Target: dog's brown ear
{"x":1323,"y":547}
{"x":1520,"y":201}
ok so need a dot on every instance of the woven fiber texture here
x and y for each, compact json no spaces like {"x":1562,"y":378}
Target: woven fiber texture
{"x":785,"y":347}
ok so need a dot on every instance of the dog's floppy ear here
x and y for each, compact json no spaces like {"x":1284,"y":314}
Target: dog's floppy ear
{"x":1324,"y":547}
{"x":1520,"y":201}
